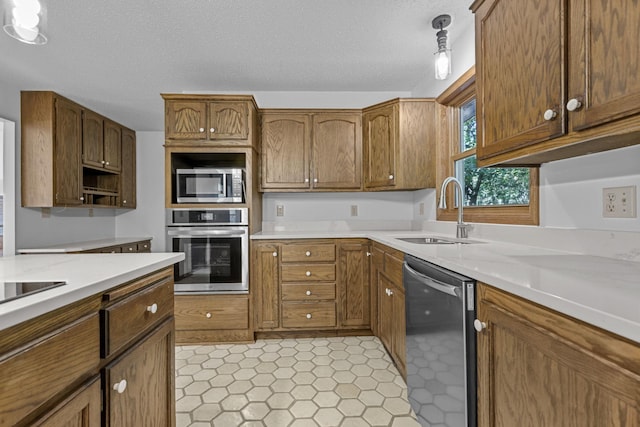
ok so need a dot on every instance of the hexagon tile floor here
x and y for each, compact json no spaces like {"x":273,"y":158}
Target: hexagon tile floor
{"x":325,"y":382}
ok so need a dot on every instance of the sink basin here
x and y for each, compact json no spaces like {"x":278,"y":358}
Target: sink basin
{"x":431,"y":240}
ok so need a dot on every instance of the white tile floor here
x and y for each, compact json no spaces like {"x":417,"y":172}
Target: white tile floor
{"x":345,"y":382}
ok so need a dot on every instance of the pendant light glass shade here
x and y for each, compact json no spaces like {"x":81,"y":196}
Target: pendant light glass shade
{"x":443,"y":64}
{"x":443,"y":55}
{"x":23,"y":20}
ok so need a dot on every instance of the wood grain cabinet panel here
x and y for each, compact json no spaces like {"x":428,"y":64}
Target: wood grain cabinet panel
{"x":308,"y":291}
{"x":112,"y":146}
{"x":537,"y":367}
{"x":228,"y":120}
{"x":320,"y":314}
{"x":139,"y":384}
{"x":92,"y":139}
{"x":265,"y":284}
{"x":185,"y":119}
{"x":285,"y":156}
{"x":82,"y":409}
{"x":308,"y":272}
{"x":44,"y":368}
{"x":585,"y":51}
{"x":399,"y":145}
{"x":353,"y":280}
{"x":128,"y":172}
{"x":308,"y":252}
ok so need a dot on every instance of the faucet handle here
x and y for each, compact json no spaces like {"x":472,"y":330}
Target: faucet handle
{"x":462,"y":231}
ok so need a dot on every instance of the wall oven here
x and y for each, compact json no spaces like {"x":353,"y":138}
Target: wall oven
{"x":209,"y":185}
{"x":216,"y":247}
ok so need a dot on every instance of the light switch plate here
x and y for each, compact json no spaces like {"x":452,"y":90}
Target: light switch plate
{"x":280,"y":210}
{"x":619,"y":202}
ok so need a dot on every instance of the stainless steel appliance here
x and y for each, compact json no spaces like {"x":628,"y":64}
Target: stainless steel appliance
{"x":441,"y":344}
{"x":209,"y":185}
{"x":216,"y":247}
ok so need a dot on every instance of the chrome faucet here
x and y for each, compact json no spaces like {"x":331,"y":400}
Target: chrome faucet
{"x":461,"y":229}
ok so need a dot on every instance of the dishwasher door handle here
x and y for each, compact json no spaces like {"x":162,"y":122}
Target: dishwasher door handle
{"x":433,"y":283}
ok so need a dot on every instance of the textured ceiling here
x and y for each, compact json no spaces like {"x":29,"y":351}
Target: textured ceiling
{"x":117,"y":56}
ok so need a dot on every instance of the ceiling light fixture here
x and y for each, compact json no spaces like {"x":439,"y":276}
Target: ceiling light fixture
{"x":443,"y":55}
{"x":23,"y":21}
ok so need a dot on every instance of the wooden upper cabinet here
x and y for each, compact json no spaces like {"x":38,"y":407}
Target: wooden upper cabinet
{"x":603,"y":61}
{"x":562,"y":84}
{"x":228,"y":120}
{"x":399,"y":145}
{"x":92,"y":139}
{"x":337,"y":151}
{"x":186,"y":120}
{"x":286,"y":142}
{"x":67,"y":152}
{"x":212,"y":120}
{"x":128,"y":172}
{"x":112,"y":153}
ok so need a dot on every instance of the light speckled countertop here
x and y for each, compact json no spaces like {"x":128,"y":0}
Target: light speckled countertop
{"x":601,"y":291}
{"x":85,"y":274}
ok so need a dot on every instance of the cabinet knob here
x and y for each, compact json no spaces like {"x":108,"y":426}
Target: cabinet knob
{"x":550,"y":114}
{"x":212,"y":130}
{"x":308,"y":253}
{"x":82,"y":199}
{"x":368,"y":253}
{"x":390,"y":176}
{"x":130,"y":249}
{"x":315,"y":179}
{"x":106,"y":163}
{"x":306,"y":180}
{"x":120,"y":387}
{"x":308,"y":293}
{"x":275,"y":253}
{"x":573,"y":104}
{"x":153,"y":308}
{"x":308,"y":315}
{"x":102,"y":162}
{"x":124,"y":202}
{"x":479,"y":325}
{"x":208,"y":315}
{"x":308,"y":273}
{"x":390,"y":292}
{"x":201,"y":130}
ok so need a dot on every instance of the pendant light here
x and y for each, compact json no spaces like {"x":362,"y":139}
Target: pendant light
{"x":443,"y":55}
{"x":23,"y":20}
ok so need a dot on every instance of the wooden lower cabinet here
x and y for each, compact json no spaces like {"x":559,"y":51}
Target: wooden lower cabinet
{"x":311,"y":284}
{"x":81,"y":409}
{"x":212,"y":318}
{"x":537,"y":367}
{"x":139,"y":385}
{"x":389,"y":304}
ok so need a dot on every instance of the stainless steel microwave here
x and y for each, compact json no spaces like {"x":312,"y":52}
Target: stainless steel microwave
{"x":209,"y":185}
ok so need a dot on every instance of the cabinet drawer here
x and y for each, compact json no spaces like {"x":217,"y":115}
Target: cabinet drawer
{"x":308,"y":315}
{"x":144,"y":246}
{"x":311,"y":272}
{"x":393,"y":268}
{"x":203,"y":312}
{"x":309,"y":253}
{"x":131,"y":316}
{"x":127,"y":249}
{"x":310,"y":291}
{"x":47,"y":366}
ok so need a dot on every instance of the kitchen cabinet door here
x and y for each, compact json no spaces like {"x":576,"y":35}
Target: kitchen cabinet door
{"x":398,"y":330}
{"x":385,"y":312}
{"x":185,"y":120}
{"x":81,"y":409}
{"x":537,"y":367}
{"x":67,"y":154}
{"x":112,"y":150}
{"x":228,"y":120}
{"x":128,"y":173}
{"x":286,"y":142}
{"x":353,"y":284}
{"x":519,"y":76}
{"x":265,"y":284}
{"x":604,"y":57}
{"x":337,"y":151}
{"x":139,"y":385}
{"x":380,"y":147}
{"x":92,"y":139}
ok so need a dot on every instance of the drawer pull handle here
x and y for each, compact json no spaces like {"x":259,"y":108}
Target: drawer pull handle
{"x":212,"y":130}
{"x":308,"y":273}
{"x":308,"y":315}
{"x":308,"y":293}
{"x":208,"y":315}
{"x":574,"y":104}
{"x":131,"y":249}
{"x":390,"y":176}
{"x":153,"y":308}
{"x":275,"y":253}
{"x":479,"y":325}
{"x":308,"y":253}
{"x":550,"y":114}
{"x":120,"y":387}
{"x":201,"y":129}
{"x":368,"y":253}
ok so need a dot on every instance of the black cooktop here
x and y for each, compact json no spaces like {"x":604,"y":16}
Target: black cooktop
{"x":12,"y":290}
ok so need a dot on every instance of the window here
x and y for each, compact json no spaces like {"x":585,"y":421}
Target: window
{"x":497,"y":195}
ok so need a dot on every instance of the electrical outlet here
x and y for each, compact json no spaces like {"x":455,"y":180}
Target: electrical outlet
{"x":619,"y":202}
{"x":90,"y":212}
{"x":280,"y":210}
{"x":421,"y":208}
{"x":354,"y":210}
{"x":45,"y":212}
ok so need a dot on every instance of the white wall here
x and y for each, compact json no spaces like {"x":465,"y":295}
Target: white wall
{"x":148,"y":218}
{"x":7,"y":138}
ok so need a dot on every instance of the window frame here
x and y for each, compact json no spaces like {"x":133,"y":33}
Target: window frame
{"x":448,"y":152}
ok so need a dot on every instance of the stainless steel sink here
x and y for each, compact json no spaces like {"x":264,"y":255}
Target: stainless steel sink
{"x":432,"y":240}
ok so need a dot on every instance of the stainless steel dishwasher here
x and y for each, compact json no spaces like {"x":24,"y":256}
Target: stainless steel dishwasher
{"x":441,"y":344}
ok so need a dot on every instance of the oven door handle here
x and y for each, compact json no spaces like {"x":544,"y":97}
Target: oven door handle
{"x":186,"y":234}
